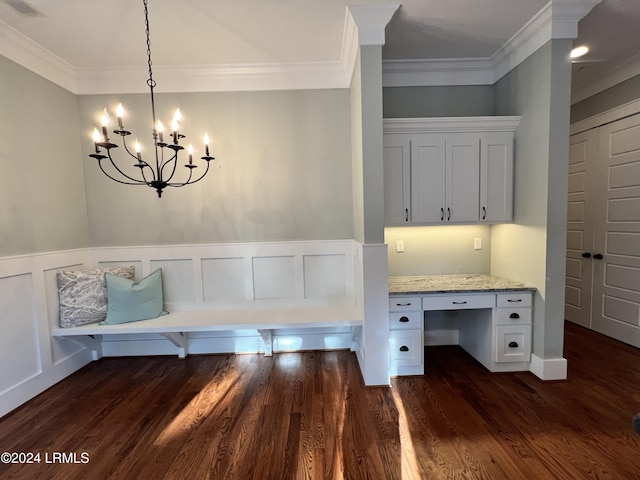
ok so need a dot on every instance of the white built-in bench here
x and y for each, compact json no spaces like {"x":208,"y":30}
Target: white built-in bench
{"x":177,"y":325}
{"x":275,"y":289}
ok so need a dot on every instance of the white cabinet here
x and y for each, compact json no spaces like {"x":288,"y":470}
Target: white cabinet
{"x":496,"y":178}
{"x":448,"y":171}
{"x":406,"y":337}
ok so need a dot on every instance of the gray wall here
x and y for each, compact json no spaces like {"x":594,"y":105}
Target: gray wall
{"x":444,"y":101}
{"x":42,"y":196}
{"x":282,"y":170}
{"x":532,"y":250}
{"x":615,"y":96}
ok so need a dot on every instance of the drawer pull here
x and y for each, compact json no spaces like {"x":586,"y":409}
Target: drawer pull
{"x":403,"y":319}
{"x":404,"y":348}
{"x":403,"y":304}
{"x":514,"y":315}
{"x":459,"y":303}
{"x":514,"y":301}
{"x":513,"y":344}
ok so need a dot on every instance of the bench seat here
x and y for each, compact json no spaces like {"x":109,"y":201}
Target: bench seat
{"x":176,"y":324}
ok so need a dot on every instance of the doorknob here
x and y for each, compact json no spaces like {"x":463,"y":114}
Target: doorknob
{"x":586,"y":255}
{"x":598,"y":256}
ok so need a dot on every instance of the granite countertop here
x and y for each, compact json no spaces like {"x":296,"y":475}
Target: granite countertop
{"x":453,"y":284}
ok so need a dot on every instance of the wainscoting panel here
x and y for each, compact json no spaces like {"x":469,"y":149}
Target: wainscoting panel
{"x":33,"y":360}
{"x":20,"y":337}
{"x":196,"y":277}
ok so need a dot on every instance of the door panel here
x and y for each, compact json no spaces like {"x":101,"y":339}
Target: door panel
{"x":583,"y":152}
{"x":616,"y":283}
{"x":396,"y":174}
{"x":462,"y":177}
{"x":427,"y":178}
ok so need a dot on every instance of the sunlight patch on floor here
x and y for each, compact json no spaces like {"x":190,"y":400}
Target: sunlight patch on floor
{"x":408,"y":461}
{"x":212,"y":396}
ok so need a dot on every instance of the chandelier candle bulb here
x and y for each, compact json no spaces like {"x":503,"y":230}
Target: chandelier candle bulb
{"x":138,"y":154}
{"x":120,"y":114}
{"x":105,"y":121}
{"x":206,"y":144}
{"x":160,"y":129}
{"x":96,"y":139}
{"x":190,"y":150}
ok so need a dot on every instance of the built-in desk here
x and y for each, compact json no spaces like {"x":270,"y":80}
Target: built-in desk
{"x":493,"y":316}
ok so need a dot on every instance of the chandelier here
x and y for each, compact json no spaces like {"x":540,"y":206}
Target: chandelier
{"x":157,"y":173}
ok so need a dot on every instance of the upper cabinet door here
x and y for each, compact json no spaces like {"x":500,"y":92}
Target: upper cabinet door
{"x":396,"y":158}
{"x":428,"y":173}
{"x":462,"y":177}
{"x":496,"y":177}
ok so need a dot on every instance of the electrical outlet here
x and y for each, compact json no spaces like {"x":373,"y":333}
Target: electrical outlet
{"x":477,"y":243}
{"x":400,"y":246}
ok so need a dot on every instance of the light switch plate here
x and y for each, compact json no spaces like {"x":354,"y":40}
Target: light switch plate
{"x":399,"y":246}
{"x":477,"y":243}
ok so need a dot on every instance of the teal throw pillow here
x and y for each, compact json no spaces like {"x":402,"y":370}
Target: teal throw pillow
{"x":128,"y":301}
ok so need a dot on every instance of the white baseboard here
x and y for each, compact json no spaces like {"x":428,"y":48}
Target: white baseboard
{"x":549,"y":368}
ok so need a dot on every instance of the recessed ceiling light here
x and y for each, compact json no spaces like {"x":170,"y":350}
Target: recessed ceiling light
{"x":579,"y":51}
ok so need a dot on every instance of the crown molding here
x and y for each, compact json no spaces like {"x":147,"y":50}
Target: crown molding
{"x":215,"y":78}
{"x":31,"y":55}
{"x":407,"y":73}
{"x":557,"y":19}
{"x":451,"y":124}
{"x":364,"y":25}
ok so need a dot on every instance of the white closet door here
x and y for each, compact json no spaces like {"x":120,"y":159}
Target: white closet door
{"x":583,"y":158}
{"x":616,"y":284}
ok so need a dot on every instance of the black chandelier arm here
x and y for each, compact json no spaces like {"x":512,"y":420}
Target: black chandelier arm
{"x":124,"y":174}
{"x":174,"y":160}
{"x":133,"y":182}
{"x":189,"y":182}
{"x":141,"y":164}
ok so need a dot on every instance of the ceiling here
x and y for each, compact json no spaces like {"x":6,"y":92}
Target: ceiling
{"x":86,"y":35}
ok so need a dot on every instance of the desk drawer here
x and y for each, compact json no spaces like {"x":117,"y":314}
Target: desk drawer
{"x":513,"y":343}
{"x":513,"y":316}
{"x":514,"y":299}
{"x":405,"y":320}
{"x":407,"y":348}
{"x":404,"y":304}
{"x":458,"y":302}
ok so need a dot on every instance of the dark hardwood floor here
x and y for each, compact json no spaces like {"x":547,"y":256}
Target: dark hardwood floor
{"x":308,"y":415}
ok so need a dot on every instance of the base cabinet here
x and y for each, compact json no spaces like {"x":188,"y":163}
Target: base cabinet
{"x":406,"y":337}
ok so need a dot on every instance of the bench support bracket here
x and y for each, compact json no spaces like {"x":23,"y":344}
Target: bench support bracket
{"x":179,"y":340}
{"x":267,"y":338}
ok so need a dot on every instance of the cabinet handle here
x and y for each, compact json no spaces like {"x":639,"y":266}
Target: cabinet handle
{"x":406,"y":214}
{"x":403,"y":320}
{"x":514,"y":301}
{"x":459,"y":303}
{"x":448,"y":214}
{"x":514,"y":315}
{"x":513,"y":344}
{"x":404,"y":348}
{"x":598,"y":256}
{"x":441,"y":214}
{"x":484,"y":213}
{"x":403,"y":304}
{"x":586,"y":255}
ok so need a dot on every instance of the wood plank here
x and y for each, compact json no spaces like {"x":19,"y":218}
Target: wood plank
{"x":308,"y":415}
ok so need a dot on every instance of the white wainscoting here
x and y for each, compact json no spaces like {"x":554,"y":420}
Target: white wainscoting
{"x":32,"y":360}
{"x":297,"y":274}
